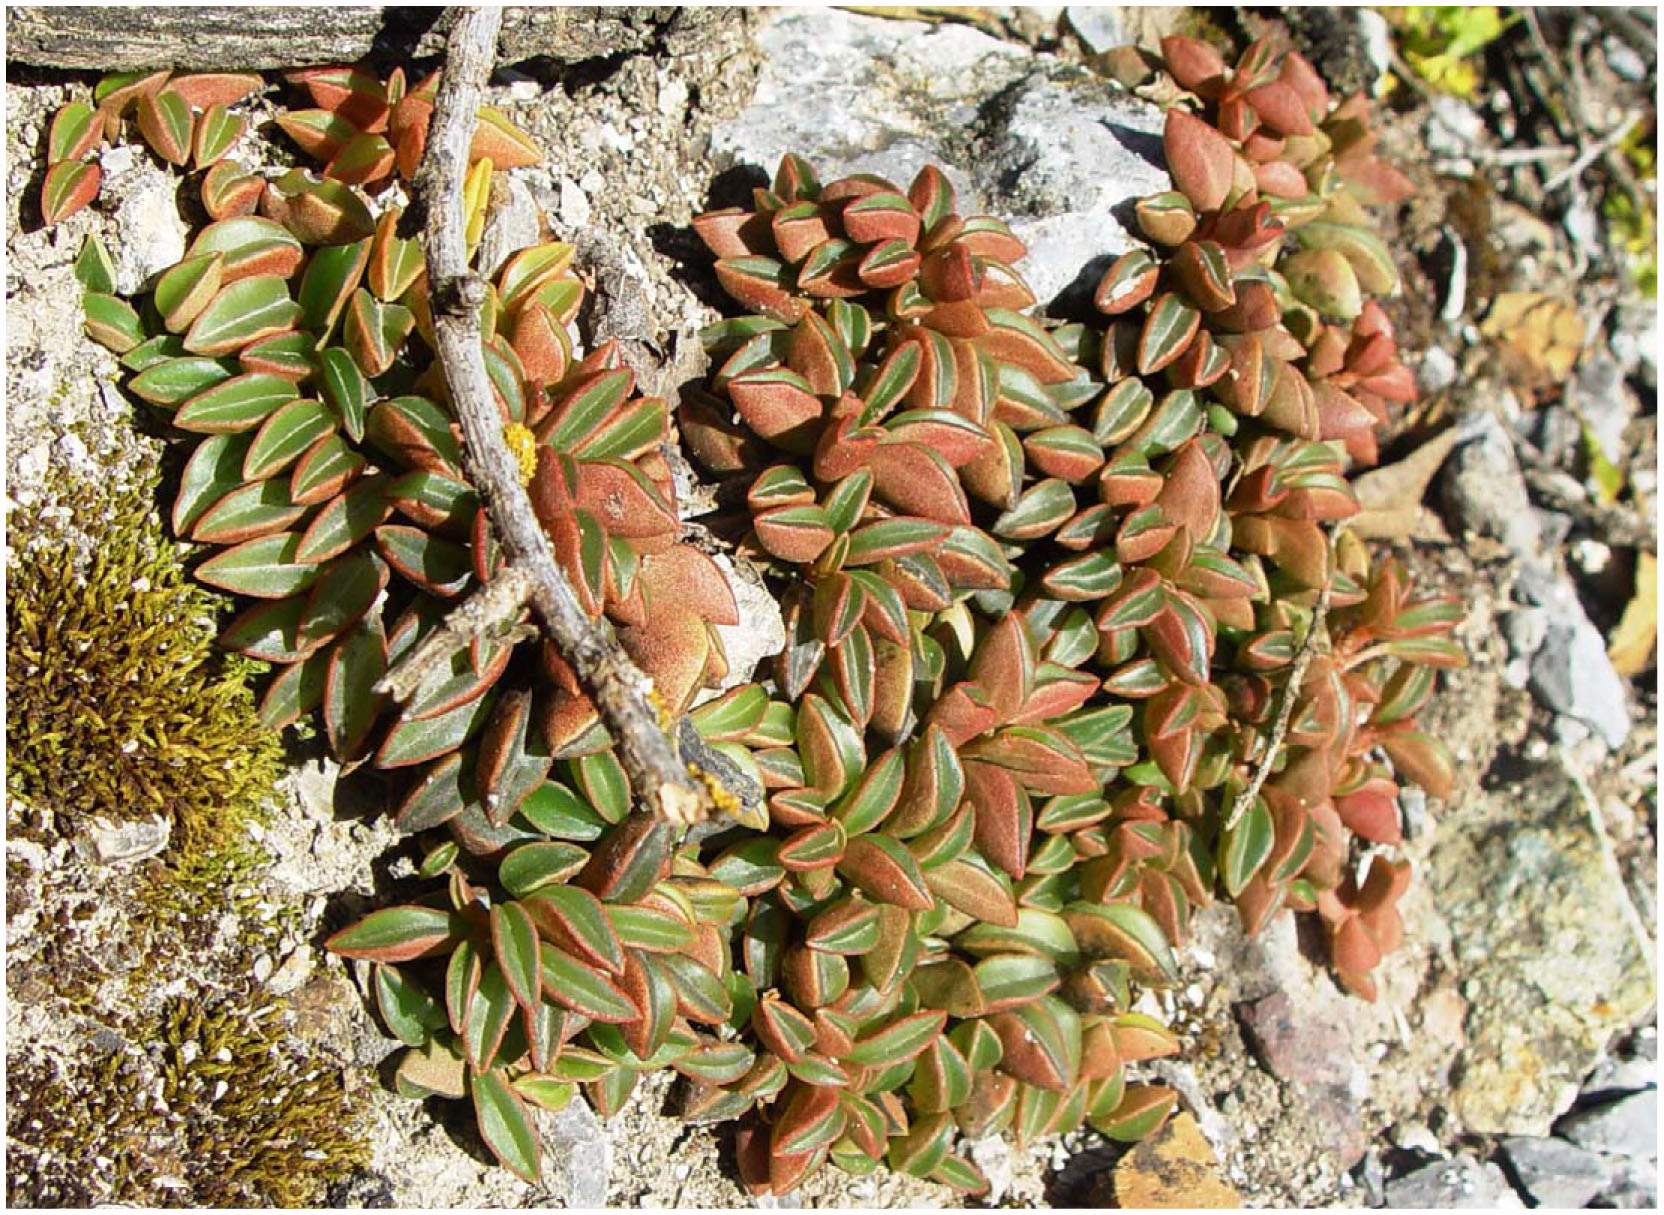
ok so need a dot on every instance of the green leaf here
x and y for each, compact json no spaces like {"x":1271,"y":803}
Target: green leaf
{"x":504,"y":1124}
{"x":489,"y":1013}
{"x":185,"y":289}
{"x":602,"y":782}
{"x":346,"y":389}
{"x":865,"y":806}
{"x":284,"y":436}
{"x":900,"y":1040}
{"x":358,"y":662}
{"x":437,"y":565}
{"x":531,"y":866}
{"x":557,"y":811}
{"x":580,"y":415}
{"x":94,"y":267}
{"x":266,"y":568}
{"x":331,"y":276}
{"x":346,"y":520}
{"x":893,"y":538}
{"x":1244,"y":847}
{"x":217,"y":131}
{"x":243,"y":312}
{"x":170,"y":381}
{"x":699,"y":993}
{"x":112,"y":323}
{"x":250,"y":510}
{"x":240,"y":403}
{"x":396,"y":934}
{"x":514,"y":941}
{"x":292,"y":355}
{"x":578,"y":987}
{"x":410,"y":1012}
{"x":633,"y":431}
{"x":72,"y":134}
{"x":891,"y":382}
{"x":411,"y":742}
{"x":573,"y":913}
{"x":1121,"y":930}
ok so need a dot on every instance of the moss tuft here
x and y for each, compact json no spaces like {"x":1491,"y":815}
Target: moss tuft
{"x":121,"y":703}
{"x":218,"y":1108}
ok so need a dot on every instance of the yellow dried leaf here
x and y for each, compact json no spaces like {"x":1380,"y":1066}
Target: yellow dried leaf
{"x":1389,"y":498}
{"x":1632,"y":643}
{"x":1540,"y":333}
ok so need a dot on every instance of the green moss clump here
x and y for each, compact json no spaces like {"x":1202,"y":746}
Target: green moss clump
{"x":121,"y":703}
{"x":220,"y":1109}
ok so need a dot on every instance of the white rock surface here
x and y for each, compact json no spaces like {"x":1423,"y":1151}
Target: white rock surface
{"x":150,"y":233}
{"x":1054,"y":149}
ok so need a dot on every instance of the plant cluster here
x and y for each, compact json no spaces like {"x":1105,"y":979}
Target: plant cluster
{"x":1441,"y":41}
{"x":1073,"y":642}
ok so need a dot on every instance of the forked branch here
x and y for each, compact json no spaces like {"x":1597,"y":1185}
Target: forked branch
{"x":657,"y":773}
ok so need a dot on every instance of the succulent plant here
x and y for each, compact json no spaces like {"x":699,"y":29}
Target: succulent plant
{"x":185,"y":120}
{"x":1075,"y":644}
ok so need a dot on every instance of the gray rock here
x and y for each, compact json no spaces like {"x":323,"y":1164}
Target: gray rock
{"x":1556,"y":433}
{"x":1098,"y":26}
{"x":1554,"y":526}
{"x":1625,"y":62}
{"x":1485,"y":489}
{"x":1453,"y":127}
{"x":1525,"y":629}
{"x":992,"y":1154}
{"x":1059,"y":156}
{"x":1053,"y":149}
{"x":149,"y":231}
{"x":1605,"y":402}
{"x":1625,"y":1127}
{"x":1538,"y":930}
{"x":862,"y":94}
{"x":1377,"y":40}
{"x":1634,"y":1186}
{"x":1554,"y":1173}
{"x":1635,"y":341}
{"x":1304,"y":1036}
{"x":580,"y":1146}
{"x":1415,"y":1136}
{"x":1571,"y":674}
{"x":761,"y":631}
{"x":124,"y":843}
{"x":1622,"y":1076}
{"x":512,"y":225}
{"x":1437,"y":370}
{"x":1413,"y":813}
{"x":1461,"y":1183}
{"x":1371,"y":1177}
{"x":1296,"y":1044}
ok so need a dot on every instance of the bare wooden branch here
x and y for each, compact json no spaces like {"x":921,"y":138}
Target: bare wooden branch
{"x":620,"y":691}
{"x":1592,"y":153}
{"x":490,"y":612}
{"x":192,"y":37}
{"x":1285,"y":706}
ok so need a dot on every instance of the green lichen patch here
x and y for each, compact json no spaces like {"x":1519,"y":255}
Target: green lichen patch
{"x":211,"y":1103}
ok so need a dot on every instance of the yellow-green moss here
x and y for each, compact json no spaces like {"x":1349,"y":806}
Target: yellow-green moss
{"x":121,"y":705}
{"x":217,"y":1107}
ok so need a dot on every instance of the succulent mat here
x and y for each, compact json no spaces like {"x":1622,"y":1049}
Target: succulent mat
{"x":1077,"y":640}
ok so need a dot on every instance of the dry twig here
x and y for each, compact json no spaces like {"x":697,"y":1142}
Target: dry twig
{"x":1285,"y":705}
{"x":658,"y":775}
